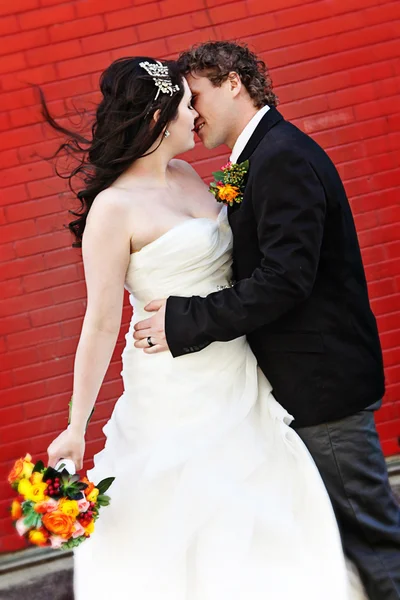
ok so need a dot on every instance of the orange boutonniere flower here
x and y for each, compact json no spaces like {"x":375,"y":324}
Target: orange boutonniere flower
{"x":228,"y":193}
{"x":229,"y":182}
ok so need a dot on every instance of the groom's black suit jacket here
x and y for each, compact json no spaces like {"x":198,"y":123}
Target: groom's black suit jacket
{"x":301,"y":295}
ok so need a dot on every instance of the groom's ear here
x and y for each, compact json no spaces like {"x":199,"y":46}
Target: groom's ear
{"x":235,"y":83}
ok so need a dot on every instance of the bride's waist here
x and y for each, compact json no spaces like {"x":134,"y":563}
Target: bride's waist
{"x":139,"y":301}
{"x":217,"y":357}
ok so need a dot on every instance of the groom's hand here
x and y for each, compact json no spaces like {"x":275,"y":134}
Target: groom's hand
{"x":152,"y":329}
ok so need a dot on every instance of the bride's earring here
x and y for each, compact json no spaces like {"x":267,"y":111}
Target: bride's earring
{"x":166,"y":133}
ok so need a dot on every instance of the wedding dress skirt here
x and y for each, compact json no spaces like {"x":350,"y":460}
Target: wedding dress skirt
{"x":215,"y":496}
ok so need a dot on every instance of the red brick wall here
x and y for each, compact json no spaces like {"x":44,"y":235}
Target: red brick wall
{"x":335,"y":64}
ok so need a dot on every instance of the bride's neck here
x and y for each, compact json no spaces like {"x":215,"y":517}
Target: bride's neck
{"x":152,"y":167}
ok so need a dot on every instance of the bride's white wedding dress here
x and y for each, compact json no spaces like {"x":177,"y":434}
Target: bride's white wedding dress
{"x":215,"y":496}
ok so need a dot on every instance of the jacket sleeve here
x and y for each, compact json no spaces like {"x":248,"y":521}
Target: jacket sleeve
{"x":289,"y":206}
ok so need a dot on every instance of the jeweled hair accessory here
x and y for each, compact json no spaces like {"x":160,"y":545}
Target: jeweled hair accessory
{"x":161,"y":77}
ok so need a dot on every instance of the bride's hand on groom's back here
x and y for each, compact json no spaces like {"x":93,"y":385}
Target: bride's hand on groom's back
{"x":69,"y":444}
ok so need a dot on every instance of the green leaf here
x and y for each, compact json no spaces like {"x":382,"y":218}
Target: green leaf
{"x":33,"y":520}
{"x":72,"y":495}
{"x":69,"y":479}
{"x":73,"y":543}
{"x":38,"y":521}
{"x":245,"y":164}
{"x":218,"y":175}
{"x":50,"y":473}
{"x":39,"y":467}
{"x":81,"y":486}
{"x":27,"y":507}
{"x":103,"y":500}
{"x":105,"y":484}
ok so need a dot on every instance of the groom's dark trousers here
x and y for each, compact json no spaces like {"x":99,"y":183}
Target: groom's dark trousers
{"x":349,"y":457}
{"x":301,"y":299}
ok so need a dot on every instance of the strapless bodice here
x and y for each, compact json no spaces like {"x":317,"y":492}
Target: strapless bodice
{"x":192,"y":258}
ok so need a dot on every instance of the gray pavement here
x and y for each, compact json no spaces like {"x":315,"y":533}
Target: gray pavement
{"x":45,"y":581}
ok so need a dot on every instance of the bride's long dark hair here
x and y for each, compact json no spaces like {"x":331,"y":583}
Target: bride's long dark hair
{"x":123,"y":130}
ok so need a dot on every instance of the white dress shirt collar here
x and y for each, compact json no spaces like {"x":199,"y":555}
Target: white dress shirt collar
{"x":246,"y":134}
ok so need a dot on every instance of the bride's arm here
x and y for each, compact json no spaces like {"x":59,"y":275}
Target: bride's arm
{"x":105,"y":251}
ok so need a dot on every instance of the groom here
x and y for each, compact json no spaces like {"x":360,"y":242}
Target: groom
{"x":300,"y":297}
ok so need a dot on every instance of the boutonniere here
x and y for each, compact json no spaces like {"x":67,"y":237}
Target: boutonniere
{"x":228,"y":184}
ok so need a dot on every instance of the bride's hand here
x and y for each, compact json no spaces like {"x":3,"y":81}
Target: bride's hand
{"x":69,"y":444}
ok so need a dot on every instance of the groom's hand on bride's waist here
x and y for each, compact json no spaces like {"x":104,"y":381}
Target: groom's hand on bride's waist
{"x":150,"y":333}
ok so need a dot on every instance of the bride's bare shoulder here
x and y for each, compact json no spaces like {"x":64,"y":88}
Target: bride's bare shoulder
{"x":111,"y":203}
{"x":117,"y":197}
{"x":184,"y":167}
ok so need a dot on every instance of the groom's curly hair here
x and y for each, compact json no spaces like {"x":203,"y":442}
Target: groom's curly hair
{"x":216,"y":60}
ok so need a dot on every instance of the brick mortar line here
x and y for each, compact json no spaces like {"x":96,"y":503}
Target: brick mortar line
{"x":285,"y":65}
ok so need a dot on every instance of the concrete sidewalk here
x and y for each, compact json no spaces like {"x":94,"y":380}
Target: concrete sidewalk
{"x":48,"y":579}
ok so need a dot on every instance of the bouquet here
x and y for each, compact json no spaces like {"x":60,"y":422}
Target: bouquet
{"x":53,"y":507}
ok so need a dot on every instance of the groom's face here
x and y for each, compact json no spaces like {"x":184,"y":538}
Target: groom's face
{"x":214,"y":105}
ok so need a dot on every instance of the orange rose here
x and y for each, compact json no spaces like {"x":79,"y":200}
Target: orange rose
{"x":23,"y":467}
{"x":228,"y":192}
{"x":59,"y":523}
{"x":16,"y":510}
{"x":38,"y":537}
{"x":16,"y":471}
{"x":90,"y":486}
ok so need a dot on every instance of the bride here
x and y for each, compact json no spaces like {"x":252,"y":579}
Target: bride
{"x":215,"y":496}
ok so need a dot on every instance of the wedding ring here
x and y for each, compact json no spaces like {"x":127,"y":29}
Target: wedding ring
{"x":150,"y":343}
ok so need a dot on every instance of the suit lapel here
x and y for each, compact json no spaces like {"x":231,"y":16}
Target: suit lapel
{"x":269,"y":120}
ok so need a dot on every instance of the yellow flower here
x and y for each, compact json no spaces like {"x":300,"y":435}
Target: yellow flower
{"x":228,"y":192}
{"x":89,"y":528}
{"x":69,"y":507}
{"x":24,"y":488}
{"x":27,"y":466}
{"x":36,"y":478}
{"x":92,"y":497}
{"x":38,"y":537}
{"x":37,"y":492}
